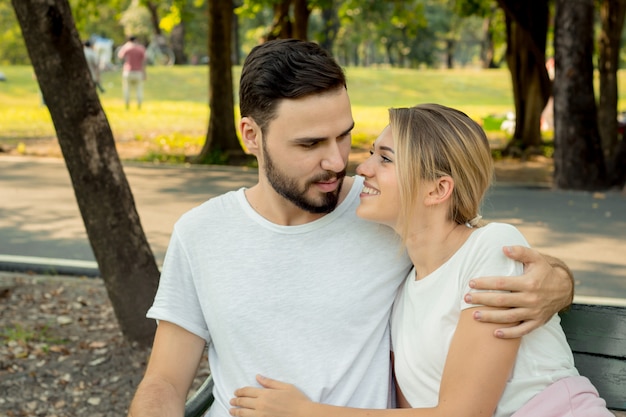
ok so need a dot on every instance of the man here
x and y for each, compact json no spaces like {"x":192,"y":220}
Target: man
{"x":93,"y":63}
{"x":282,"y":278}
{"x":134,"y":69}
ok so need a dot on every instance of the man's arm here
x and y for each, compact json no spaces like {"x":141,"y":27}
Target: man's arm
{"x":173,"y":363}
{"x":546,"y":288}
{"x":122,"y":51}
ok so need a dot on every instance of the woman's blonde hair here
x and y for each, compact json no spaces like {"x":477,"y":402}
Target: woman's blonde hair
{"x":432,"y":141}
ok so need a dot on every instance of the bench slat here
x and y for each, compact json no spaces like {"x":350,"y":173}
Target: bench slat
{"x":596,"y":329}
{"x":597,"y":336}
{"x":608,"y":375}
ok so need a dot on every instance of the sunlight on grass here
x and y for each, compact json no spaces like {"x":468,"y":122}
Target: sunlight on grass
{"x":173,"y":148}
{"x":156,"y":118}
{"x":18,"y":122}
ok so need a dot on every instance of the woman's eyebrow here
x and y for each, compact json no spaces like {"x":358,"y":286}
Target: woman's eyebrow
{"x":386,"y":148}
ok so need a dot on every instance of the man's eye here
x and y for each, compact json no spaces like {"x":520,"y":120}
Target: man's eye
{"x":309,"y":145}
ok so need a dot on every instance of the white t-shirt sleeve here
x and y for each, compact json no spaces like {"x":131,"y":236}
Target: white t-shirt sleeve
{"x":177,"y":300}
{"x":487,"y":258}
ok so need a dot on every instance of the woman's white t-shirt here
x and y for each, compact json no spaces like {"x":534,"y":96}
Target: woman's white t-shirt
{"x":426,"y":313}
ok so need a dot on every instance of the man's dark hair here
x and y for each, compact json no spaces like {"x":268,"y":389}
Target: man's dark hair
{"x":284,"y":69}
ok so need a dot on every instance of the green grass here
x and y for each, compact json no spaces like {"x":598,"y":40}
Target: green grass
{"x":374,"y":91}
{"x":22,"y":335}
{"x":175,"y":112}
{"x":175,"y":102}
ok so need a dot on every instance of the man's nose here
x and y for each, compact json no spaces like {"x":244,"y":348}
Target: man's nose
{"x":334,"y":158}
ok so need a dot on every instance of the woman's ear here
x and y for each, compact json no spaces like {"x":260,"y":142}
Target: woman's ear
{"x":439,"y":191}
{"x":250,"y":135}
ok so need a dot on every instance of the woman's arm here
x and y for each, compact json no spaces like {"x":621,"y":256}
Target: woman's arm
{"x":545,"y":288}
{"x":475,"y":374}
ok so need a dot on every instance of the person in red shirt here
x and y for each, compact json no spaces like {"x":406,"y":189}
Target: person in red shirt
{"x":133,"y":54}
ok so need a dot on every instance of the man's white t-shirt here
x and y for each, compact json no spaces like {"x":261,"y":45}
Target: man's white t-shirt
{"x":307,"y":304}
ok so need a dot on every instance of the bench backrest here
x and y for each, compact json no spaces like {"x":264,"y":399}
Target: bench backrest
{"x":597,"y":336}
{"x":201,"y":400}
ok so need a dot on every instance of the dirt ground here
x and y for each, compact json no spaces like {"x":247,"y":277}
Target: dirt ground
{"x":61,"y":351}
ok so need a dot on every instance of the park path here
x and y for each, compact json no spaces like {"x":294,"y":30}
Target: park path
{"x":39,"y":216}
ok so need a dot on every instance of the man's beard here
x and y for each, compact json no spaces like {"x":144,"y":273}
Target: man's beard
{"x":289,"y":189}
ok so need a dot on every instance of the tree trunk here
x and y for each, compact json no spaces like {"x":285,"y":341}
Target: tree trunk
{"x":330,"y":23}
{"x":301,"y":14}
{"x":617,"y":166}
{"x":177,"y":40}
{"x":281,"y":25}
{"x":612,"y":18}
{"x":486,"y":46}
{"x":221,"y":142}
{"x":235,"y":40}
{"x":154,"y":17}
{"x":527,"y":26}
{"x":104,"y":197}
{"x":389,"y":52}
{"x":578,"y":158}
{"x":450,"y":53}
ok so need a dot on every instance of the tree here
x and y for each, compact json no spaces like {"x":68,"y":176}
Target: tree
{"x":173,"y":22}
{"x":301,"y":13}
{"x":578,"y":158}
{"x":291,"y":17}
{"x":406,"y":31}
{"x":527,"y":27}
{"x":12,"y":48}
{"x":282,"y":26}
{"x":330,"y":26}
{"x":487,"y":10}
{"x":487,"y":49}
{"x":104,"y":198}
{"x":221,"y":140}
{"x":612,"y":21}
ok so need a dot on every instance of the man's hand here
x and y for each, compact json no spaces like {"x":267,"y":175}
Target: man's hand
{"x":546,"y":287}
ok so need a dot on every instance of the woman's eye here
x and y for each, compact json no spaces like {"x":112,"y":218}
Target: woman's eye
{"x":385,"y":159}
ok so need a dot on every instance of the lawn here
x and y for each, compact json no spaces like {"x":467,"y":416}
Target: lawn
{"x":175,"y":111}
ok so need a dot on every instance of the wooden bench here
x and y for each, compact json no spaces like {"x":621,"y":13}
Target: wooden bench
{"x":596,"y":334}
{"x":201,"y":400}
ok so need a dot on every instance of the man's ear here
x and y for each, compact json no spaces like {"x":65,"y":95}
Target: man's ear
{"x":439,"y":191}
{"x":250,"y":135}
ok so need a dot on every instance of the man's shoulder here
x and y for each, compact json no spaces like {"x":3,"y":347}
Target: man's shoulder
{"x":213,"y":208}
{"x":139,"y":48}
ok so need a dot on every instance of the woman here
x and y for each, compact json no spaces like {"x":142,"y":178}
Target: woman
{"x":426,"y":177}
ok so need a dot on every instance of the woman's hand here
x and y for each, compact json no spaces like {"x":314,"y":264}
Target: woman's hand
{"x":532,"y":299}
{"x":275,"y":399}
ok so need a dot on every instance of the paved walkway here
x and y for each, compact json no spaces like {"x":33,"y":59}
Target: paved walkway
{"x":39,"y":216}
